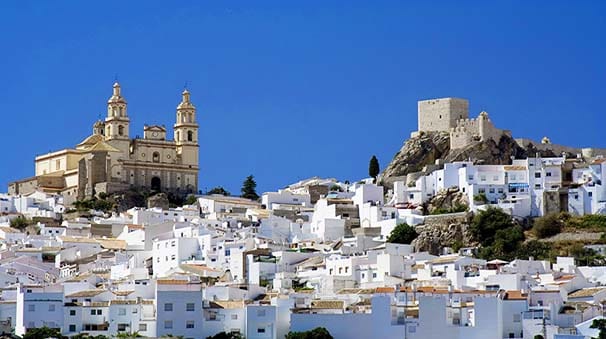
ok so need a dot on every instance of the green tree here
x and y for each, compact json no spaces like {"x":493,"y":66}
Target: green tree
{"x":402,"y":234}
{"x":42,"y":333}
{"x":373,"y":167}
{"x":226,"y":335}
{"x":485,"y":224}
{"x":601,"y":325}
{"x":249,"y":187}
{"x":316,"y":333}
{"x":547,"y":226}
{"x":219,"y":190}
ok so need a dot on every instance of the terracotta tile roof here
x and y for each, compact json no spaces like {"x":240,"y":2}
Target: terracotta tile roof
{"x":172,"y":282}
{"x":384,"y":290}
{"x":514,"y":168}
{"x":586,"y":292}
{"x":112,"y":244}
{"x":122,"y":293}
{"x":515,"y":295}
{"x":85,"y":293}
{"x":327,"y":304}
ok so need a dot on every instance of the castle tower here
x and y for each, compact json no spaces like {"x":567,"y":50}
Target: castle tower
{"x":117,"y":121}
{"x":186,"y":131}
{"x":440,"y":115}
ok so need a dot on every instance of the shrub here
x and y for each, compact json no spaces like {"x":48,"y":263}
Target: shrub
{"x":593,"y":221}
{"x":547,"y":226}
{"x":19,"y":222}
{"x":316,"y":333}
{"x":480,"y":198}
{"x":402,"y":234}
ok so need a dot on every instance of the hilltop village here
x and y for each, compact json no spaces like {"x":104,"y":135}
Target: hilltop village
{"x":459,"y":249}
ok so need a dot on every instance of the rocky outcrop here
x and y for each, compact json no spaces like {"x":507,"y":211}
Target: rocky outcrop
{"x":450,"y":199}
{"x":432,"y":238}
{"x":159,"y":200}
{"x":416,"y":153}
{"x":426,"y":148}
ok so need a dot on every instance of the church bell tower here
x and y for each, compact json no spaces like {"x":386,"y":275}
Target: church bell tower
{"x":117,"y":121}
{"x":186,"y":131}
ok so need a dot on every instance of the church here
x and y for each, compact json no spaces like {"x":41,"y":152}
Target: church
{"x":110,"y":161}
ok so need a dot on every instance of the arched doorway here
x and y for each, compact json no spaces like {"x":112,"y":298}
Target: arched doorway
{"x":156,"y":184}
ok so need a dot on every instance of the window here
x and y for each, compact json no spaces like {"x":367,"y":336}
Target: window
{"x":491,"y":190}
{"x":156,"y":157}
{"x":547,"y":174}
{"x":168,"y":307}
{"x":51,"y":308}
{"x":481,"y":190}
{"x":122,"y":311}
{"x":363,"y":275}
{"x":31,"y":308}
{"x":576,"y":197}
{"x":190,"y":307}
{"x":374,"y":274}
{"x":470,"y":177}
{"x":172,"y":257}
{"x":58,"y":164}
{"x":189,"y":324}
{"x":590,"y":194}
{"x":158,"y":259}
{"x":482,"y":178}
{"x":261,"y":330}
{"x":190,"y":136}
{"x":411,"y":196}
{"x":495,"y":178}
{"x":96,"y":312}
{"x":234,"y":317}
{"x":500,"y":190}
{"x":122,"y":327}
{"x":120,"y":130}
{"x":537,"y":174}
{"x":72,"y":328}
{"x":173,"y":243}
{"x":142,"y":327}
{"x":537,"y":186}
{"x":72,"y":312}
{"x":168,"y":324}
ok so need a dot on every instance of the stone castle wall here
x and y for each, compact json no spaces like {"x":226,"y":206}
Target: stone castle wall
{"x":478,"y":129}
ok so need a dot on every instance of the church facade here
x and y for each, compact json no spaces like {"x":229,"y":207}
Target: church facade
{"x":110,"y":161}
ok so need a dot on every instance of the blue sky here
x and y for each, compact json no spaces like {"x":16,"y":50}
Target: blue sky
{"x":286,"y":90}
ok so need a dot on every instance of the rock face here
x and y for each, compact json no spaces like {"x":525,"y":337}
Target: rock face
{"x":432,"y":238}
{"x":426,"y":148}
{"x":158,"y":200}
{"x":416,"y":153}
{"x":448,"y":199}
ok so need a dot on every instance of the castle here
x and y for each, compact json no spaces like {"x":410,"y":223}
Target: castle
{"x":452,"y":115}
{"x":110,"y":161}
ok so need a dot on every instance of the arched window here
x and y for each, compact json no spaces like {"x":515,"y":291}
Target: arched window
{"x":156,"y":157}
{"x":120,"y":130}
{"x":114,"y":111}
{"x":178,"y":136}
{"x":109,"y":131}
{"x":190,"y":136}
{"x":121,"y":111}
